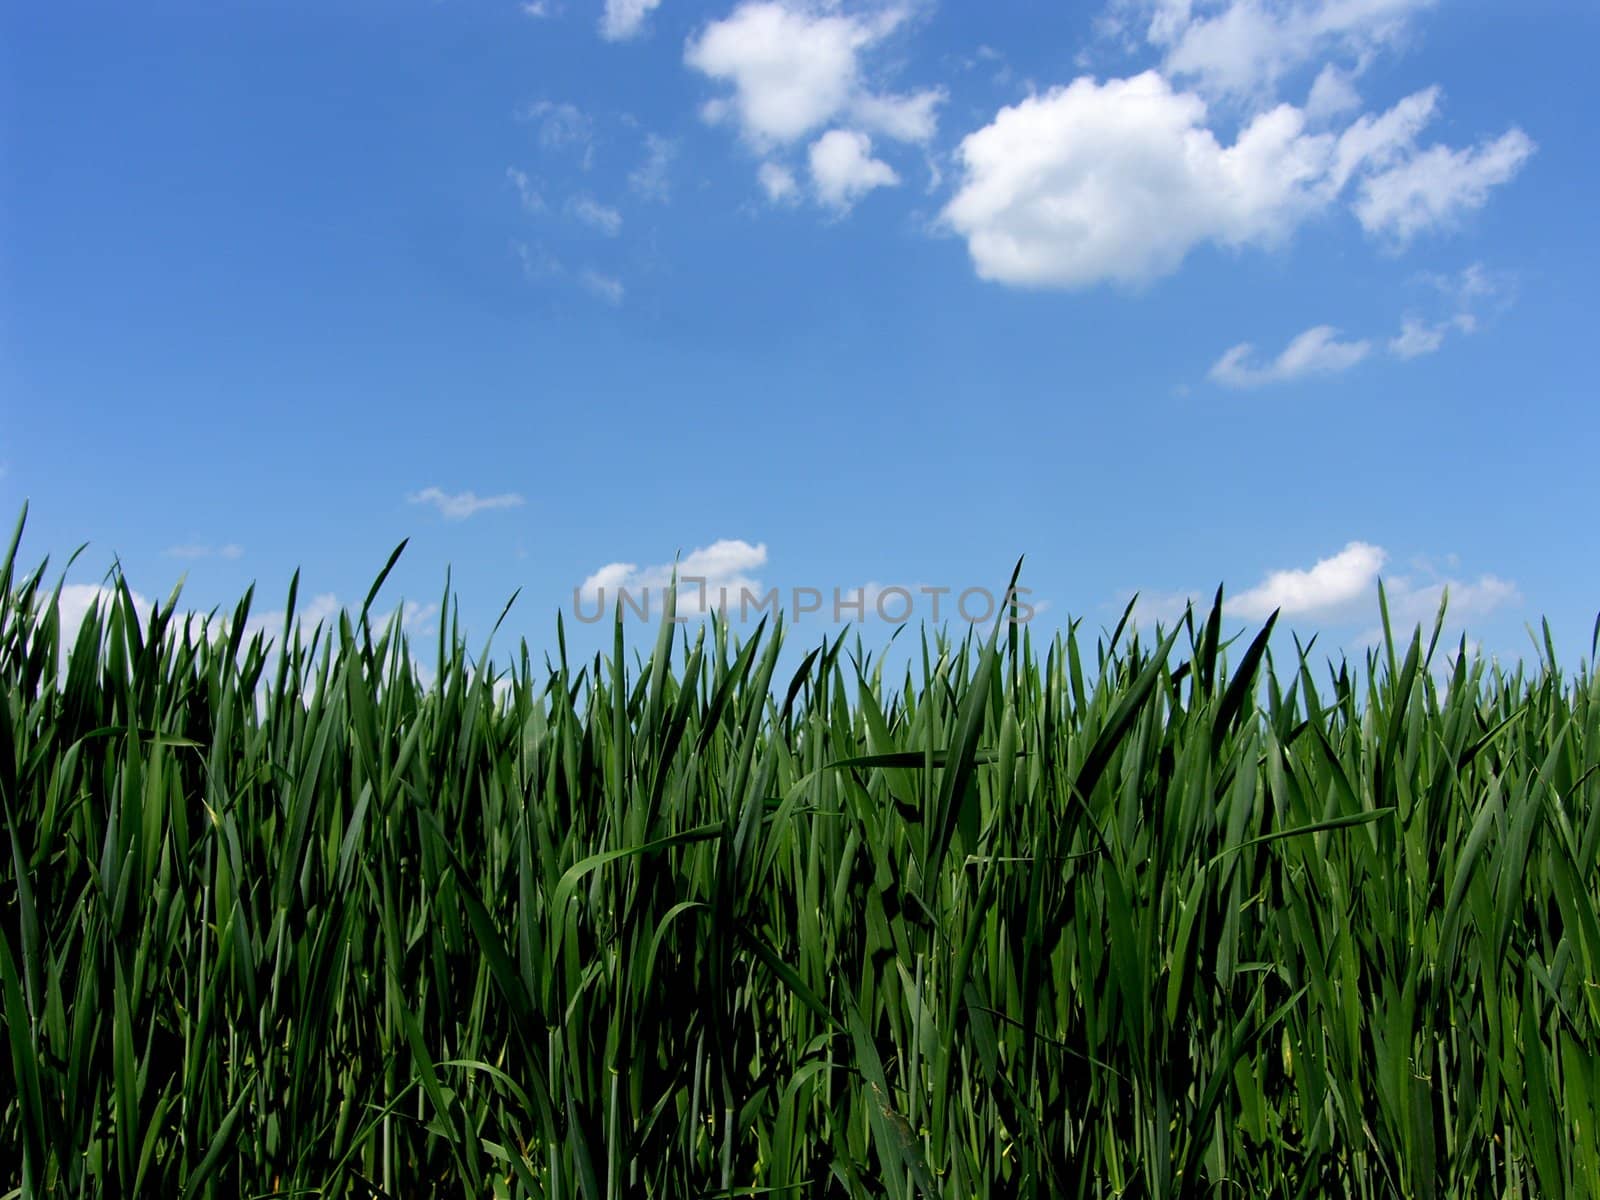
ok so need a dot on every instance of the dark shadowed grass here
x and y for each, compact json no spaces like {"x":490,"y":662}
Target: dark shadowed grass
{"x":1150,"y":917}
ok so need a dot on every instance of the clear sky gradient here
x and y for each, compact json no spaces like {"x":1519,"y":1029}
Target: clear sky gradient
{"x":1287,"y":296}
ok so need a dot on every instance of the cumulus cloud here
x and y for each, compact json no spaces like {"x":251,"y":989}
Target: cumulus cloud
{"x":793,"y":71}
{"x":726,"y":566}
{"x":1340,"y":591}
{"x":319,"y":610}
{"x":1119,"y":181}
{"x":1317,"y":351}
{"x":843,"y":169}
{"x":1330,"y":584}
{"x":597,"y":216}
{"x":624,"y":19}
{"x":459,"y":506}
{"x":78,"y":600}
{"x":790,"y":70}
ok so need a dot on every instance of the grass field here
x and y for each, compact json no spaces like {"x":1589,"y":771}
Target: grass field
{"x":1115,"y":915}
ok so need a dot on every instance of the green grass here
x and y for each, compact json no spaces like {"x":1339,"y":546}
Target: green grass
{"x":1130,"y":916}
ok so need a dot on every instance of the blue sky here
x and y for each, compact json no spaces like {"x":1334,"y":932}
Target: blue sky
{"x":1288,"y":296}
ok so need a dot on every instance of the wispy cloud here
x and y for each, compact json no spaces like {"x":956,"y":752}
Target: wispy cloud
{"x":651,"y":178}
{"x":606,"y":287}
{"x":1242,"y":50}
{"x":560,"y":124}
{"x":230,"y":550}
{"x":529,"y":195}
{"x":1317,"y":351}
{"x":1437,"y":187}
{"x":458,"y":506}
{"x":1418,"y":337}
{"x":778,"y":182}
{"x":1466,"y":295}
{"x":624,"y":19}
{"x":597,"y":216}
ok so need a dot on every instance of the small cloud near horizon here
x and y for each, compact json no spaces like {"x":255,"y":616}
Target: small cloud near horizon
{"x":459,"y":506}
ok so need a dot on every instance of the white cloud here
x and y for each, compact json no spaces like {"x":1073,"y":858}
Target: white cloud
{"x":1436,"y":187}
{"x":539,"y":9}
{"x":1471,"y":289}
{"x":843,"y":169}
{"x":1244,"y":49}
{"x":790,"y":71}
{"x":461,"y":505}
{"x":793,"y":70}
{"x":1464,"y":293}
{"x":597,"y":216}
{"x":1417,"y":337}
{"x":79,"y":599}
{"x":1414,"y":602}
{"x":778,"y":182}
{"x":1332,"y":94}
{"x":910,"y":118}
{"x":1119,"y":181}
{"x":650,"y":178}
{"x":560,"y":124}
{"x":1342,"y":590}
{"x":606,"y":287}
{"x":1473,"y":283}
{"x":1317,"y":351}
{"x":415,"y":617}
{"x":538,"y":264}
{"x":624,"y":19}
{"x":1331,"y":584}
{"x":725,"y":565}
{"x":532,"y":201}
{"x":1162,"y":608}
{"x":1374,"y":142}
{"x":319,"y":610}
{"x":232,"y":550}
